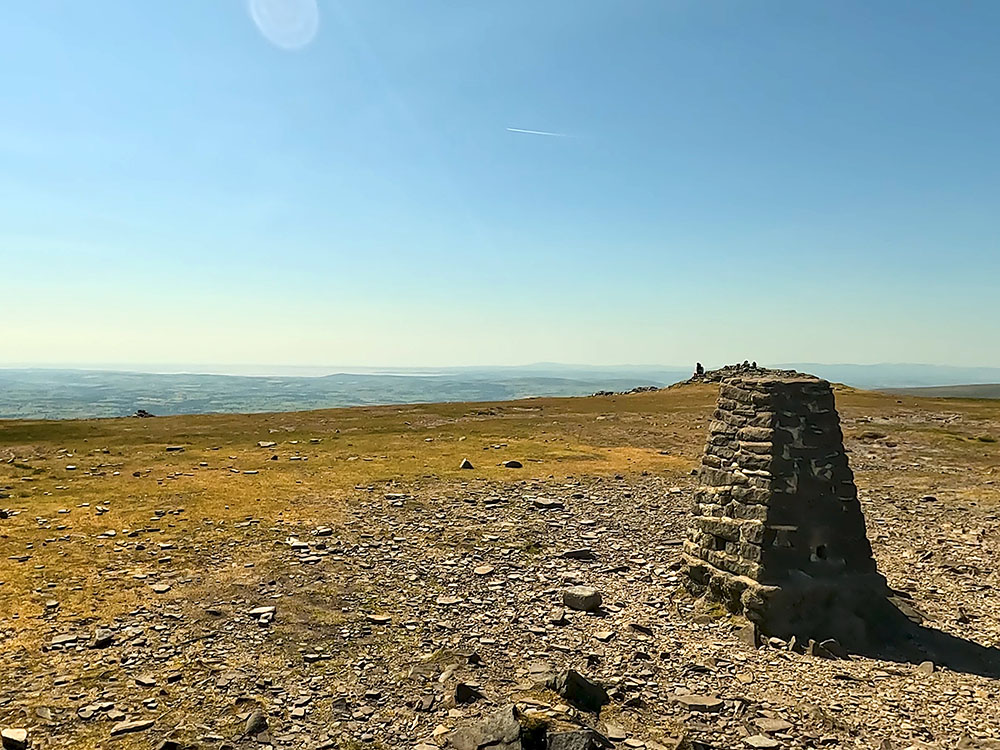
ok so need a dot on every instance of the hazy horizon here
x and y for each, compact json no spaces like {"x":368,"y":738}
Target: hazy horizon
{"x":61,"y":393}
{"x":293,"y":370}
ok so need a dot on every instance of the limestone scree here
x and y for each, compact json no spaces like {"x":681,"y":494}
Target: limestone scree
{"x":778,"y":533}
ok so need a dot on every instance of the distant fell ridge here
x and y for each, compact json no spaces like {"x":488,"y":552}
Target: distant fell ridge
{"x":976,"y":390}
{"x":897,"y":375}
{"x":40,"y":393}
{"x":85,"y":394}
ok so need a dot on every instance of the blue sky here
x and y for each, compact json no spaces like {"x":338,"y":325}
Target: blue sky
{"x":780,"y":181}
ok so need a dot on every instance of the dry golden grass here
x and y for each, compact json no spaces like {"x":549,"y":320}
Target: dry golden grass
{"x":124,"y":464}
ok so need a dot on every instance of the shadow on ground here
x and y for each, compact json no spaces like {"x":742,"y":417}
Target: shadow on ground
{"x":912,"y":642}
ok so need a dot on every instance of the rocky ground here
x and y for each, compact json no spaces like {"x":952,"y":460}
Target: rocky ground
{"x":429,"y":590}
{"x":392,"y":614}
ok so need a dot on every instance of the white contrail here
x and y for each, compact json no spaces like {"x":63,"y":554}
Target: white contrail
{"x":537,"y":132}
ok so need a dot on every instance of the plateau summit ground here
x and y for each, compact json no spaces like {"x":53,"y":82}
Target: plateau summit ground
{"x":336,"y":579}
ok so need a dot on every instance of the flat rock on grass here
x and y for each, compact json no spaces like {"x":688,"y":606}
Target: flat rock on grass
{"x":127,"y":727}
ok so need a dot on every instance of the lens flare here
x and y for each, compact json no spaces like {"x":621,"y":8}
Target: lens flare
{"x":289,"y":24}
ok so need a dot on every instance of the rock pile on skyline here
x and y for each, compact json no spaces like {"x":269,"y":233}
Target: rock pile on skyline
{"x":701,"y":375}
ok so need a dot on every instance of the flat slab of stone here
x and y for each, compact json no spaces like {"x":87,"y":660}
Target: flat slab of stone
{"x":703,"y":703}
{"x":127,"y":727}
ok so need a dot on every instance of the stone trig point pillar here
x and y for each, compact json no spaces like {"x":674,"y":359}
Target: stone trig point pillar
{"x":778,"y":533}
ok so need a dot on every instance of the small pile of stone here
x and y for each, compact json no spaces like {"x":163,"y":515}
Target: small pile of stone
{"x":263,"y":615}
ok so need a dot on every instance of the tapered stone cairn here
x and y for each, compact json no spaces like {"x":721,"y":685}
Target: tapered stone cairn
{"x":778,"y":533}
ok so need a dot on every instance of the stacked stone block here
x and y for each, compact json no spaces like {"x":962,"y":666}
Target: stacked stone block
{"x":778,"y":533}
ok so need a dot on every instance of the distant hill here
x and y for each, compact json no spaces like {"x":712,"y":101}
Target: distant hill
{"x":978,"y":390}
{"x":51,"y":393}
{"x":890,"y":375}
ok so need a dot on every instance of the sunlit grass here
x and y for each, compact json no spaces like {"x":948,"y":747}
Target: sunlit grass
{"x":124,"y":465}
